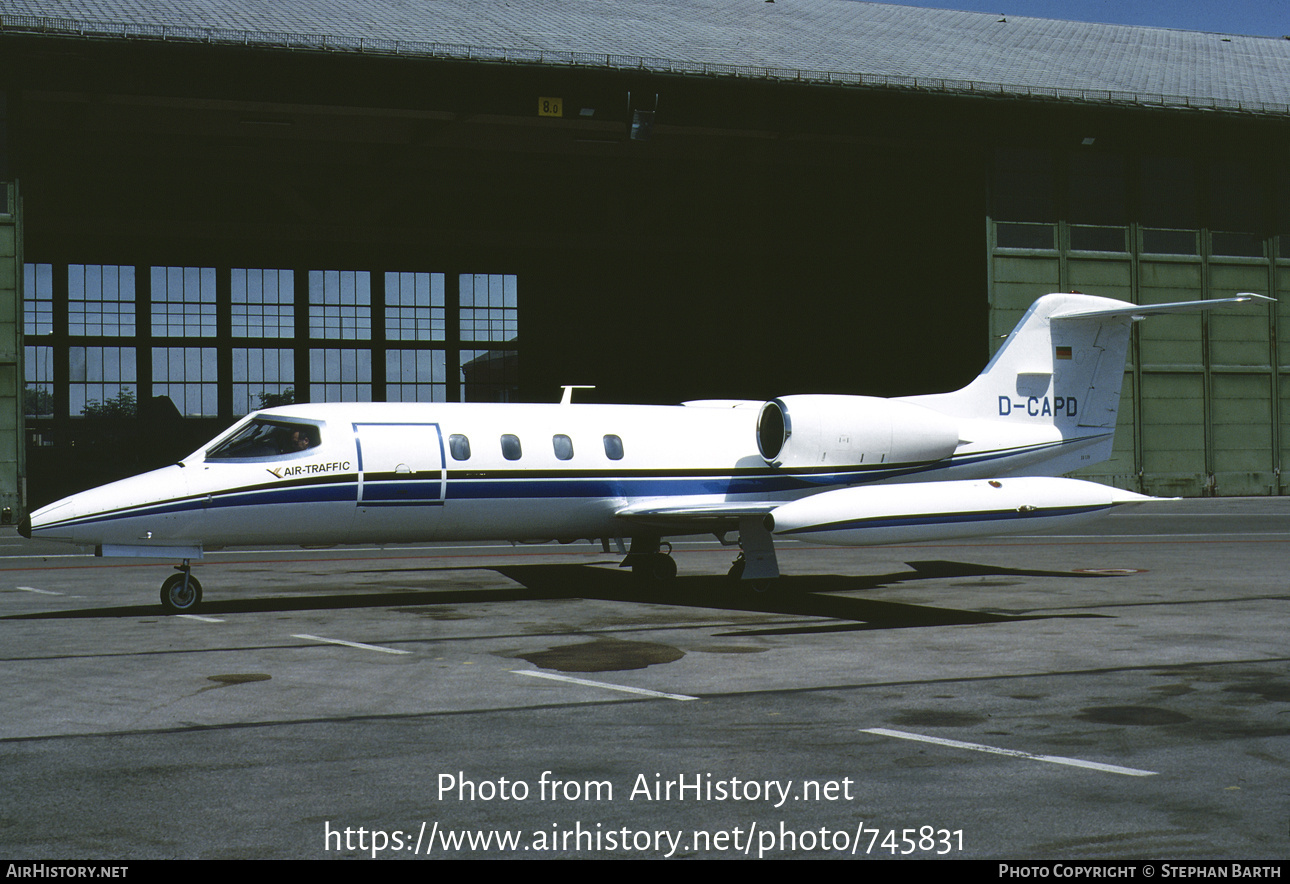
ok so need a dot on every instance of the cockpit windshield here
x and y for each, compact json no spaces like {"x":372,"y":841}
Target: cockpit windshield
{"x":264,"y":438}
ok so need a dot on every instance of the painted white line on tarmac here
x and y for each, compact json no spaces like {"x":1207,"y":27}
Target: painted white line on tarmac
{"x":645,"y":692}
{"x":1014,"y":753}
{"x":200,"y":618}
{"x":359,"y":645}
{"x":41,"y":591}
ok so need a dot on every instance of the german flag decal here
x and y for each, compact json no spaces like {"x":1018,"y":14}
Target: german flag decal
{"x":1063,"y":352}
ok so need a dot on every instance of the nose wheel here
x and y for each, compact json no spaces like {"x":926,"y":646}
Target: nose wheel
{"x":181,"y":593}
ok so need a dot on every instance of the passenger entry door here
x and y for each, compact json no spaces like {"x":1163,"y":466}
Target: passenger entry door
{"x":400,"y":465}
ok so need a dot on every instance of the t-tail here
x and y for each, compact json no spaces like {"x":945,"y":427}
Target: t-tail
{"x":1060,"y":369}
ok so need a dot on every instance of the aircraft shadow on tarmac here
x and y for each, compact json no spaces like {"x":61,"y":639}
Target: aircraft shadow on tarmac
{"x":796,"y":595}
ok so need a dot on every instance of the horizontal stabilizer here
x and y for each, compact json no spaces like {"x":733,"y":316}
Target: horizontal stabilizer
{"x":1142,"y":311}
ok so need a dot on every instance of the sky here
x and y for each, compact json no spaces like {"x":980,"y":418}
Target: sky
{"x":1268,"y":18}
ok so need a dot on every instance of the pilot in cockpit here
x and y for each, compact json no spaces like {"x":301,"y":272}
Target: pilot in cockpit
{"x":299,"y":440}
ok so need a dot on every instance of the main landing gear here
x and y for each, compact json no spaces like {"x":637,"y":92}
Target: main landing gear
{"x":756,"y":567}
{"x":181,"y":593}
{"x":648,"y":562}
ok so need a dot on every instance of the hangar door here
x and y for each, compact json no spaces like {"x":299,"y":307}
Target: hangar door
{"x":1205,"y":406}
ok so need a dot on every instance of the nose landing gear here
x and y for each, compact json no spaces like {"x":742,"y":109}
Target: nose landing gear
{"x":181,"y":593}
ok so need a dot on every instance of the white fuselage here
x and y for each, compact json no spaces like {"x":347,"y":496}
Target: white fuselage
{"x":391,"y":472}
{"x":981,"y":460}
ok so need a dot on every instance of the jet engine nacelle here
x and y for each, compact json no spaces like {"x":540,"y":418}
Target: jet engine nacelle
{"x":814,"y":430}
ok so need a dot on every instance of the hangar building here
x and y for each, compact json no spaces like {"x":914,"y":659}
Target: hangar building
{"x":212,"y":205}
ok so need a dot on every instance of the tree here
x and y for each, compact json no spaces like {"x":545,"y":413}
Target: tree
{"x":37,"y":402}
{"x":121,"y":405}
{"x":273,"y":400}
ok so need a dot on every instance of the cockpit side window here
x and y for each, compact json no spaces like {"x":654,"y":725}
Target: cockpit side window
{"x":263,"y":438}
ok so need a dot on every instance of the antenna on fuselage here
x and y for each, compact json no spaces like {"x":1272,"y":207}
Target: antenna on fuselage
{"x":567,"y":398}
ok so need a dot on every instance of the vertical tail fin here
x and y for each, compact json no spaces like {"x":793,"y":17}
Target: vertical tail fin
{"x":1062,"y":366}
{"x":1058,"y":366}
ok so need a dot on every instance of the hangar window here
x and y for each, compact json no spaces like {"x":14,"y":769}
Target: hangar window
{"x":183,"y":302}
{"x":489,"y":375}
{"x":489,"y":310}
{"x":340,"y":304}
{"x":459,"y":447}
{"x":100,"y":300}
{"x":262,"y":378}
{"x":263,"y":303}
{"x":103,"y":381}
{"x":38,"y":298}
{"x":337,"y":375}
{"x":414,"y":307}
{"x":187,"y":376}
{"x":416,"y":376}
{"x":266,"y":438}
{"x":1092,"y":238}
{"x":1169,"y":242}
{"x":613,"y":447}
{"x":563,"y":446}
{"x":38,"y":386}
{"x":1011,"y":235}
{"x":511,"y":446}
{"x":1243,"y":245}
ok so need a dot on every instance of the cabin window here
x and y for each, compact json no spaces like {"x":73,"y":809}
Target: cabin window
{"x":563,"y":446}
{"x":265,"y":438}
{"x":510,"y":446}
{"x":459,"y":447}
{"x":613,"y":447}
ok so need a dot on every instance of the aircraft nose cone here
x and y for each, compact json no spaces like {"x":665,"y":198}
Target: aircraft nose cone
{"x":24,"y":527}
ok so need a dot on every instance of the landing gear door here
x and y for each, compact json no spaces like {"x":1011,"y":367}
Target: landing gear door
{"x":400,"y":465}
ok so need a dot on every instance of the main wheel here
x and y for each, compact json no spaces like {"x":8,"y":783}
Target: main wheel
{"x":736,"y":571}
{"x":177,"y":599}
{"x":656,"y":567}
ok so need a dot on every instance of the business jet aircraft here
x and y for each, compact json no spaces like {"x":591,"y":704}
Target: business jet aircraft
{"x":831,"y":469}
